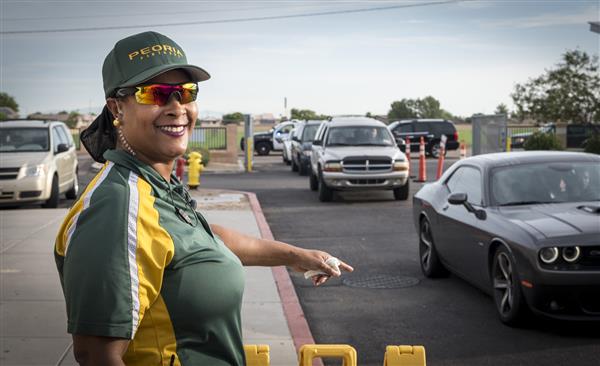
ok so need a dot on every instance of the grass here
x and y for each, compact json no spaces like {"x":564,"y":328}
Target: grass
{"x":465,"y":133}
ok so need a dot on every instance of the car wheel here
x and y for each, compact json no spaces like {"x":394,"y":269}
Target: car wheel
{"x":401,"y":194}
{"x":262,"y":148}
{"x":302,"y":169}
{"x":431,"y":266}
{"x":314,"y":182}
{"x":294,"y":165}
{"x":506,"y":288}
{"x":242,"y":144}
{"x":72,"y":193}
{"x":325,"y":193}
{"x":52,"y":202}
{"x":434,"y":150}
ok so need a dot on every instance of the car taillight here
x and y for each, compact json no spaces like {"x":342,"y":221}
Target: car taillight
{"x":455,"y":135}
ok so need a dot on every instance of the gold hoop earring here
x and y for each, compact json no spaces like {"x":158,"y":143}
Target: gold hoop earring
{"x":116,"y":122}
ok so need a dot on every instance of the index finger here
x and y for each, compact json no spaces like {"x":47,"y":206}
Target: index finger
{"x":345,"y":267}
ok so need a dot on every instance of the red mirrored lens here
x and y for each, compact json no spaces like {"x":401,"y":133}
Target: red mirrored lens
{"x":159,"y":94}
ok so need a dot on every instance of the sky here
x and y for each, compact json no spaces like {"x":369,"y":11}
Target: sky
{"x":467,"y":54}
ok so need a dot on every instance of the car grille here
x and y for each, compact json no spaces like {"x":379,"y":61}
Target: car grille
{"x":9,"y":173}
{"x":4,"y":195}
{"x":367,"y":164}
{"x":358,"y":182}
{"x":590,"y":257}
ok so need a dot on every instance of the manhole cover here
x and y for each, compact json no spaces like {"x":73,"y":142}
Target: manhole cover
{"x":380,"y":281}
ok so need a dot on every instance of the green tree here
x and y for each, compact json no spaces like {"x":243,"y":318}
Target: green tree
{"x":7,"y":100}
{"x":403,"y":109}
{"x":3,"y":117}
{"x":72,"y":119}
{"x":502,"y":109}
{"x":306,"y":114}
{"x":568,"y":93}
{"x":427,"y":107}
{"x":235,"y":117}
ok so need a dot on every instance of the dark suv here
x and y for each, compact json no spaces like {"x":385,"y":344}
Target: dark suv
{"x":432,"y":131}
{"x":302,"y":145}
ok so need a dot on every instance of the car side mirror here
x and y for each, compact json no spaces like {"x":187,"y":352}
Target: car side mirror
{"x":462,"y":199}
{"x":457,"y":198}
{"x":62,"y":148}
{"x":318,"y":142}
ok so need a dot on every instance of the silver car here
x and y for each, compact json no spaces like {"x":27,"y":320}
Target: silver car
{"x":357,"y":153}
{"x":38,"y":164}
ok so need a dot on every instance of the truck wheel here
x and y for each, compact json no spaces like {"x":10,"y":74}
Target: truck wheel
{"x":401,"y":194}
{"x":262,"y":148}
{"x":325,"y":193}
{"x":71,"y":194}
{"x":314,"y":182}
{"x":52,"y":202}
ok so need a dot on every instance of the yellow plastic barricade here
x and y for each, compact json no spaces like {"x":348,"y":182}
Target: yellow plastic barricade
{"x":310,"y":351}
{"x":257,"y":355}
{"x":404,"y":356}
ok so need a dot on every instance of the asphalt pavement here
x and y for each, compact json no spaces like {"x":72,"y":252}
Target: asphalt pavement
{"x":387,"y":300}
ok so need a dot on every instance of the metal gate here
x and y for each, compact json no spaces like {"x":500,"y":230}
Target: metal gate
{"x":489,"y":133}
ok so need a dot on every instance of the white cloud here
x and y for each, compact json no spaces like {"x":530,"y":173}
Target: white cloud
{"x":547,"y":19}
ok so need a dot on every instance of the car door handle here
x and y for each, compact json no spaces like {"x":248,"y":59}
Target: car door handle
{"x":445,"y":207}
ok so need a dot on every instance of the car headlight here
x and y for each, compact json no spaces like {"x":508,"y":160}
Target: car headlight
{"x":400,"y":166}
{"x":571,"y":254}
{"x":34,"y":170}
{"x":549,"y":255}
{"x":306,"y":152}
{"x":332,"y":167}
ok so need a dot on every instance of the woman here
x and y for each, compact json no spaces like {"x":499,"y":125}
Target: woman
{"x":146,"y":280}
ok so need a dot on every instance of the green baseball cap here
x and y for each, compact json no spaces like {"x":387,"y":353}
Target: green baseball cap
{"x":141,"y":57}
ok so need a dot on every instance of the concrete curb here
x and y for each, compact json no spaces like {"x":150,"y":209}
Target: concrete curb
{"x":294,"y":315}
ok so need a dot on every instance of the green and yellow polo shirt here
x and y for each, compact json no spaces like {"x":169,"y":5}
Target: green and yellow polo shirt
{"x":137,"y":262}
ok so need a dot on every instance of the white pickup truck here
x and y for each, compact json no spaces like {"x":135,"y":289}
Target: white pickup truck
{"x":357,"y":153}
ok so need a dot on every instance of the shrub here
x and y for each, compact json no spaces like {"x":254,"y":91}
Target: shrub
{"x":592,"y":145}
{"x":204,"y":151}
{"x":542,"y":141}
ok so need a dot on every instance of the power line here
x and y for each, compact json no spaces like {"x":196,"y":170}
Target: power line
{"x":236,"y":20}
{"x":141,"y":14}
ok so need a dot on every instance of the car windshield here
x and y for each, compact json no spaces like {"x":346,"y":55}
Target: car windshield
{"x":359,"y":136}
{"x":24,"y":139}
{"x":545,"y":183}
{"x":309,"y":133}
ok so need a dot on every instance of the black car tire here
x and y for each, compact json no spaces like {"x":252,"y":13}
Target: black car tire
{"x":431,"y":266}
{"x":325,"y":193}
{"x":401,"y":194}
{"x":52,"y":202}
{"x":242,"y":144}
{"x":302,"y":169}
{"x":71,"y":194}
{"x":262,"y":148}
{"x":506,"y":288}
{"x":314,"y":182}
{"x":434,"y":150}
{"x":294,"y":165}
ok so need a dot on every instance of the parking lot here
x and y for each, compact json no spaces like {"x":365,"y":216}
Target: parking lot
{"x":387,"y":300}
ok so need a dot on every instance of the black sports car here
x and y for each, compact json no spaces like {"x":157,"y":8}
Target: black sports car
{"x":522,"y":226}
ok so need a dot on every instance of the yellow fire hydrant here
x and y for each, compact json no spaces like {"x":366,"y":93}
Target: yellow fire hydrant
{"x":195,"y":167}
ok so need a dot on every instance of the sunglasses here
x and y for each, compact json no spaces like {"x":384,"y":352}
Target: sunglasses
{"x":159,"y":94}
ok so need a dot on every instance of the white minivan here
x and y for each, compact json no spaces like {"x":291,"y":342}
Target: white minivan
{"x":38,"y":162}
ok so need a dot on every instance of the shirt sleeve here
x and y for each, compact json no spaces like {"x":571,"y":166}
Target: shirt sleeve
{"x":115,"y":261}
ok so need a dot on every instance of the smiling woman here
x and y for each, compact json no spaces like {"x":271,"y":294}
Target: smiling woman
{"x":146,"y":279}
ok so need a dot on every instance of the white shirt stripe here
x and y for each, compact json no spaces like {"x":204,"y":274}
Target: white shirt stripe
{"x":86,"y":203}
{"x":132,"y":248}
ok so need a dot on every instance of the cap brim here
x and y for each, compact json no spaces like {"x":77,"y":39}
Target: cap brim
{"x":196,"y":74}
